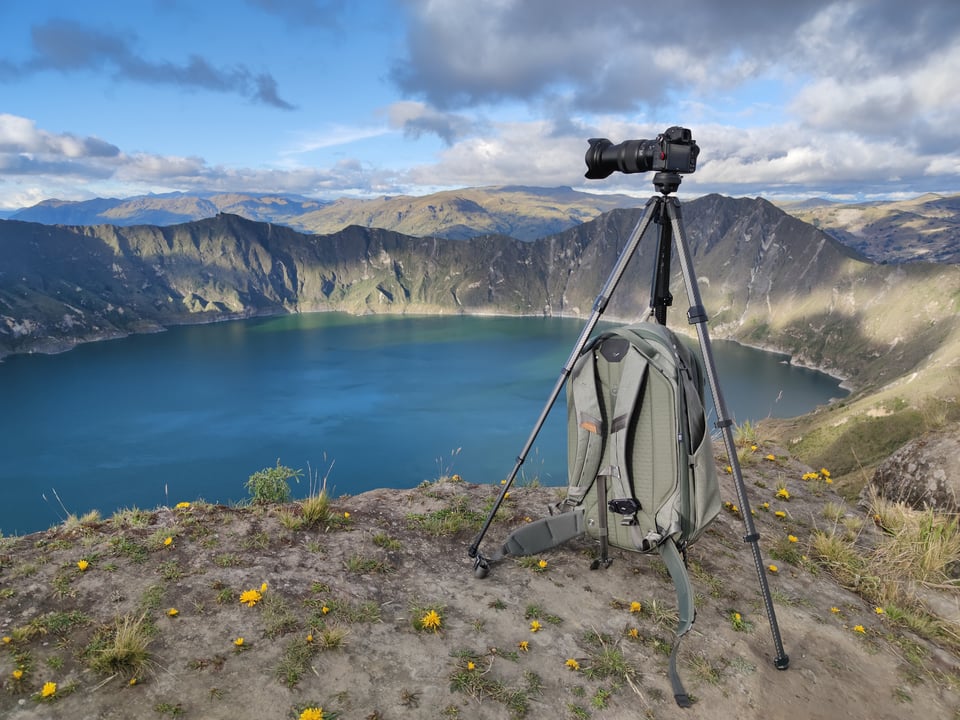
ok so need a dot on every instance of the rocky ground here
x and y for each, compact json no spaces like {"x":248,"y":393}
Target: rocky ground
{"x":338,"y":616}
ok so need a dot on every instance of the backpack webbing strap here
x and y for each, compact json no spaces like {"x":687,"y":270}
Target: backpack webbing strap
{"x":542,"y":534}
{"x":687,"y":612}
{"x":629,"y":398}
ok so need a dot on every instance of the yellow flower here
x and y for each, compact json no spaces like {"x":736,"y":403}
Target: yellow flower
{"x":523,"y":645}
{"x":49,"y":688}
{"x":634,"y":633}
{"x":753,"y":448}
{"x":346,"y":516}
{"x":309,"y":638}
{"x":471,"y":665}
{"x":771,"y":456}
{"x":83,"y":565}
{"x":183,"y":506}
{"x":765,"y":506}
{"x":506,"y":495}
{"x":324,"y":609}
{"x":250,"y":597}
{"x":636,"y":607}
{"x":238,"y":642}
{"x":859,"y":629}
{"x":312,"y":713}
{"x":773,"y":568}
{"x":780,"y":514}
{"x":133,"y":681}
{"x":431,"y":621}
{"x":729,"y":469}
{"x":263,"y":587}
{"x":535,"y":625}
{"x":7,"y":639}
{"x":878,"y":610}
{"x":792,"y":538}
{"x":573,"y":664}
{"x":542,"y":564}
{"x":825,"y":472}
{"x":783,"y":493}
{"x":835,"y":610}
{"x":17,"y":674}
{"x":173,"y":612}
{"x":168,"y":541}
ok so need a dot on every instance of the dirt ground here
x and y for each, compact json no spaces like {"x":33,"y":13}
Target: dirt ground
{"x":339,"y":620}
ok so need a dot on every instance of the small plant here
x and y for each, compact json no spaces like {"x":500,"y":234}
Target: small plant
{"x":533,"y":563}
{"x":315,"y":508}
{"x":271,"y":485}
{"x":386,"y":542}
{"x":448,"y":521}
{"x":360,"y":564}
{"x":295,"y":661}
{"x":427,"y":618}
{"x":122,"y":647}
{"x":705,"y":670}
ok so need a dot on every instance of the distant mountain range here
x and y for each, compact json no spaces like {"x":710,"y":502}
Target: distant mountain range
{"x":519,"y":212}
{"x":923,"y":229}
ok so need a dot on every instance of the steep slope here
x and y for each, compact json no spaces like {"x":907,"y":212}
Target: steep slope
{"x":926,"y":228}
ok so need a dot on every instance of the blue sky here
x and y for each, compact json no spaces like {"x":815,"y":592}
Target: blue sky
{"x":850,"y":100}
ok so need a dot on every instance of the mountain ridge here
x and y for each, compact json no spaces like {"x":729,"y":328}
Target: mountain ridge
{"x":520,"y":211}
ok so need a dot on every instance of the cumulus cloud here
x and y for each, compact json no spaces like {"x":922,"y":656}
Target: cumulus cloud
{"x":868,"y":86}
{"x":416,"y":119}
{"x":67,"y":46}
{"x":23,"y":146}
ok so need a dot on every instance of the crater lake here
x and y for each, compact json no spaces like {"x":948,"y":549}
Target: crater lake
{"x":377,"y":401}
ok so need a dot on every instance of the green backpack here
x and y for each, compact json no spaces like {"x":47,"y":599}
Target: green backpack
{"x":640,"y":460}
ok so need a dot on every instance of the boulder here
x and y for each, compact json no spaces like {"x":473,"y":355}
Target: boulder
{"x":924,"y":473}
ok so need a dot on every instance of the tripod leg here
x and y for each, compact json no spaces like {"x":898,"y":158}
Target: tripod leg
{"x":651,"y":209}
{"x":698,"y":316}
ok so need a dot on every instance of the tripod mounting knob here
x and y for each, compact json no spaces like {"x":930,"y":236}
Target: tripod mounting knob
{"x":666,"y":182}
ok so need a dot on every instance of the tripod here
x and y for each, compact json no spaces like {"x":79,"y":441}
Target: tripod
{"x":665,"y":211}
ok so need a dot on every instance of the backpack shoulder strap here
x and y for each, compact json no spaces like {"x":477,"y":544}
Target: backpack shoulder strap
{"x":687,"y":611}
{"x":586,"y":430}
{"x":543,"y":534}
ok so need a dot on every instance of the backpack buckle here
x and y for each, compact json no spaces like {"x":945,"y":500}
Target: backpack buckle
{"x":627,"y":506}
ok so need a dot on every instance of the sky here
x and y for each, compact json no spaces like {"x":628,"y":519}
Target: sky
{"x":847,"y":100}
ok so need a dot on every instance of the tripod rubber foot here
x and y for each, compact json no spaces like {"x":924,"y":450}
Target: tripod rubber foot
{"x":782,"y":663}
{"x":481,"y":569}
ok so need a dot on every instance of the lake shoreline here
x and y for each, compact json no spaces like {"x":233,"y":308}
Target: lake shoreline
{"x":57,"y":346}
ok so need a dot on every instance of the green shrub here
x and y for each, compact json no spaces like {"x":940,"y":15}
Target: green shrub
{"x":271,"y":485}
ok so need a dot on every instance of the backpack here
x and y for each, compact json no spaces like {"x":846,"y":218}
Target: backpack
{"x":640,"y":461}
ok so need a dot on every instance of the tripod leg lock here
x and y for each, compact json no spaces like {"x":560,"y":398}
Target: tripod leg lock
{"x":697,"y":314}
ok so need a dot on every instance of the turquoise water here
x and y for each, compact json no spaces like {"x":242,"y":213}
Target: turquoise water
{"x":378,"y":402}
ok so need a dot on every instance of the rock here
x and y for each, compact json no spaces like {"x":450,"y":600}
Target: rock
{"x":924,"y":473}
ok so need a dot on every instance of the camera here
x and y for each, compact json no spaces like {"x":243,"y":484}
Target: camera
{"x":673,"y":151}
